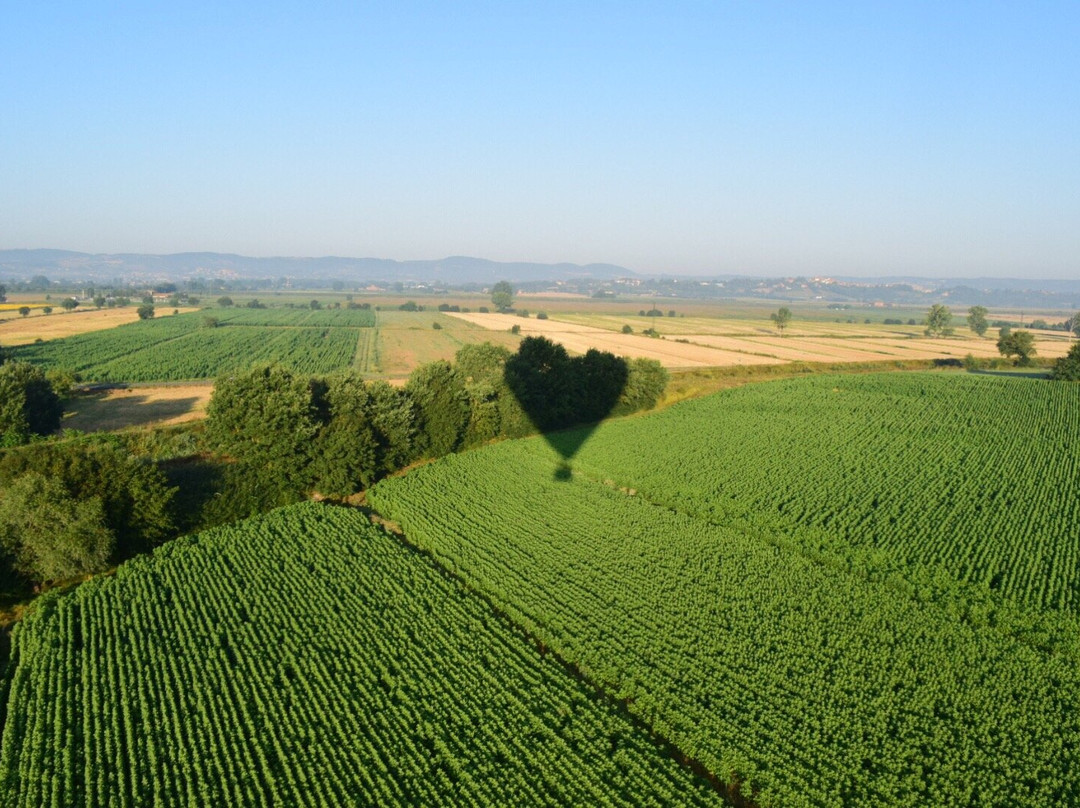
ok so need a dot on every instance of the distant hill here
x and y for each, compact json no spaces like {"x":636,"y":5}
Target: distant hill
{"x":66,"y":265}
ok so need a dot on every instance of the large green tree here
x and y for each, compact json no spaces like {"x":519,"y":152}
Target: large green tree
{"x":346,"y":456}
{"x":937,"y":321}
{"x":136,"y":499}
{"x":395,"y":419}
{"x":3,"y":293}
{"x":440,"y":396}
{"x":28,"y":404}
{"x":502,"y":295}
{"x":1074,"y":324}
{"x":1020,"y":344}
{"x":976,"y":319}
{"x":49,"y":534}
{"x":1067,"y":368}
{"x":266,"y":418}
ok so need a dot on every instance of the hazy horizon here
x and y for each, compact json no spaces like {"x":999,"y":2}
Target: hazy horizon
{"x":767,"y":139}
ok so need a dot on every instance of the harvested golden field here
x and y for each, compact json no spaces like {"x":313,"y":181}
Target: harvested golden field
{"x":580,"y":338}
{"x":111,"y":410}
{"x":711,"y":342}
{"x":25,"y":330}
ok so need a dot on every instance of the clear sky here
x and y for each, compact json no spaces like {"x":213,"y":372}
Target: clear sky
{"x":929,"y":138}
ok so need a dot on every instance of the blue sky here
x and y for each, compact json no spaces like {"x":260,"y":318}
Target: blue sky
{"x":925,"y":138}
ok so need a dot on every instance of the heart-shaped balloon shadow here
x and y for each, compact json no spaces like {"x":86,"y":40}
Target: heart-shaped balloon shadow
{"x":558,"y":391}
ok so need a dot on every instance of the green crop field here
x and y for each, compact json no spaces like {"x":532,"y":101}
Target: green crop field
{"x":977,"y":476}
{"x":306,"y":658}
{"x":828,"y":589}
{"x":181,"y":347}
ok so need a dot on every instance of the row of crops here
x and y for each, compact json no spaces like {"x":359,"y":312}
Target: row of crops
{"x":184,"y":347}
{"x":317,"y":318}
{"x":813,"y":684}
{"x":976,"y":476}
{"x":306,"y":658}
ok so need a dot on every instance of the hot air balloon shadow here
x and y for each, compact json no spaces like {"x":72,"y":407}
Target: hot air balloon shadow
{"x":557,"y":392}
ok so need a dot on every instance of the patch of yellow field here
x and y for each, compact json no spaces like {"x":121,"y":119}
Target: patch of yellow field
{"x":25,"y":330}
{"x":818,"y":342}
{"x":111,"y":410}
{"x":580,"y":338}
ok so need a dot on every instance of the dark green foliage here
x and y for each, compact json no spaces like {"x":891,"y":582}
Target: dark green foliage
{"x":134,"y":496}
{"x":69,"y":304}
{"x":1020,"y":344}
{"x":1067,"y":368}
{"x":28,"y":404}
{"x":599,"y":379}
{"x":224,"y":302}
{"x":395,"y":420}
{"x":439,"y":393}
{"x":626,"y":329}
{"x":409,"y":305}
{"x":266,"y":418}
{"x":493,"y":410}
{"x":145,"y":311}
{"x":645,"y":384}
{"x":49,"y":534}
{"x":346,"y":455}
{"x":3,"y":293}
{"x":539,"y":376}
{"x":24,"y":311}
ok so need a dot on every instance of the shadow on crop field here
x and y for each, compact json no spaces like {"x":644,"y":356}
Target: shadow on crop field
{"x":558,"y":391}
{"x":112,"y":410}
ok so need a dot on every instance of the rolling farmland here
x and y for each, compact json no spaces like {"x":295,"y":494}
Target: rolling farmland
{"x":191,"y":678}
{"x":774,"y":660}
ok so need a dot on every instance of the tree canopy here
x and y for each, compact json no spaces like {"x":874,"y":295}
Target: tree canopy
{"x":781,"y":318}
{"x":1020,"y":344}
{"x":49,"y":534}
{"x":502,"y":295}
{"x":28,"y":404}
{"x":976,"y":319}
{"x":937,"y":321}
{"x":1067,"y":368}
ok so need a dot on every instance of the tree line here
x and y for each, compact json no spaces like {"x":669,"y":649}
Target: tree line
{"x":288,"y":435}
{"x":273,"y":437}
